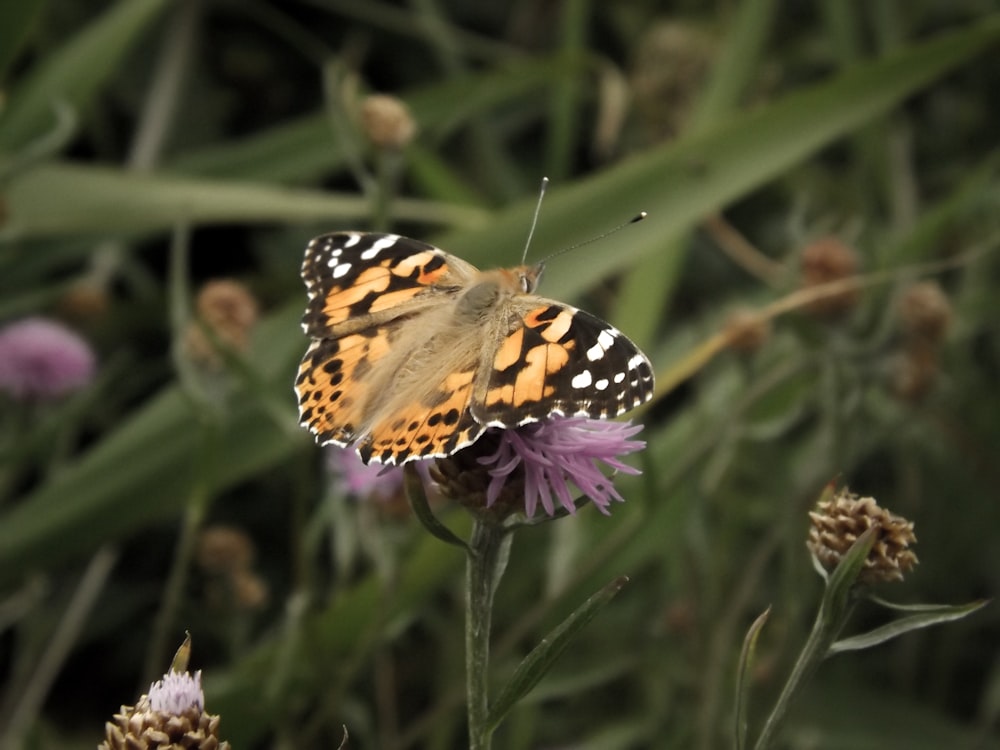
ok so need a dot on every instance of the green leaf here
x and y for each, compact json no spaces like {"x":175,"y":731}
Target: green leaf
{"x":540,"y":660}
{"x":742,"y":684}
{"x":926,"y":615}
{"x":143,"y":471}
{"x":679,"y":183}
{"x":17,"y":21}
{"x":837,"y":597}
{"x":76,"y":72}
{"x":306,"y":148}
{"x":59,"y":199}
{"x":417,"y":496}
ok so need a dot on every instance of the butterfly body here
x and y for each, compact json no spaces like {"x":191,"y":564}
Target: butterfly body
{"x":415,"y":352}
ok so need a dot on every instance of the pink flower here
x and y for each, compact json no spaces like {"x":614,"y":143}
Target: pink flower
{"x":41,"y":359}
{"x":176,"y":693}
{"x":357,"y":479}
{"x":559,"y":451}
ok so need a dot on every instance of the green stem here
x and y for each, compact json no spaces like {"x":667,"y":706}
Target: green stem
{"x":157,"y":654}
{"x":825,"y":630}
{"x":483,"y":569}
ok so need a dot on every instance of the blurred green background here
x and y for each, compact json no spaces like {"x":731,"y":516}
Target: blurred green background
{"x":148,"y":147}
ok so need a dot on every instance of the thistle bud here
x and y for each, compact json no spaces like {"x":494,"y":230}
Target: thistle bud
{"x":170,"y":717}
{"x":836,"y":525}
{"x":387,"y":121}
{"x":823,"y":261}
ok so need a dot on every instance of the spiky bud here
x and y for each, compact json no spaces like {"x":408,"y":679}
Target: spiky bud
{"x":170,"y":717}
{"x":837,"y":523}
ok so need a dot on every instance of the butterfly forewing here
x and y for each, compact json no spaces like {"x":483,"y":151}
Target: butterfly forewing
{"x":355,"y":279}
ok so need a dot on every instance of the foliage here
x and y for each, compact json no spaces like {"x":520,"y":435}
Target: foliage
{"x":147,"y":147}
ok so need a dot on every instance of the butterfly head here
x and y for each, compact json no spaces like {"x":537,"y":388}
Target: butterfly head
{"x":526,"y":278}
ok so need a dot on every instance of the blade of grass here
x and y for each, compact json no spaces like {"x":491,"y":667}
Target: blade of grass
{"x":17,"y":21}
{"x":59,"y":199}
{"x":76,"y":72}
{"x":680,"y":183}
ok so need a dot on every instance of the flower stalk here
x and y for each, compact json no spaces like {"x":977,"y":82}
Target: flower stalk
{"x":486,"y":560}
{"x":838,"y":603}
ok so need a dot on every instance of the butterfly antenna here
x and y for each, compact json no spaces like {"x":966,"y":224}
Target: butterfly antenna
{"x":534,"y":219}
{"x":638,"y":217}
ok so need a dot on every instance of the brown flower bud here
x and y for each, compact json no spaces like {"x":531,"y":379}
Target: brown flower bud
{"x":746,"y":331}
{"x":913,"y":371}
{"x":387,"y":121}
{"x":925,"y":312}
{"x":672,"y":60}
{"x":836,"y":525}
{"x":229,"y":311}
{"x":224,"y":549}
{"x":823,"y":261}
{"x":84,"y":301}
{"x":249,"y":590}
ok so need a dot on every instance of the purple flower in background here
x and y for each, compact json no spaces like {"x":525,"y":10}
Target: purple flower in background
{"x":554,"y":452}
{"x":42,"y":359}
{"x":176,"y":693}
{"x":360,"y":480}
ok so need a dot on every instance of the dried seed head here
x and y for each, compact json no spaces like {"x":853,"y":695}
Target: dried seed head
{"x":913,"y":371}
{"x":925,"y":312}
{"x":837,"y":523}
{"x":84,"y":301}
{"x":224,"y":549}
{"x":250,"y":592}
{"x":825,"y":260}
{"x":672,"y":60}
{"x":229,"y":311}
{"x":387,"y":121}
{"x":746,"y":331}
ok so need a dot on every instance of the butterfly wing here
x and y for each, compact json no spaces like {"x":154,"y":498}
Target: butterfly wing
{"x":364,"y":291}
{"x":355,"y":280}
{"x":562,"y":361}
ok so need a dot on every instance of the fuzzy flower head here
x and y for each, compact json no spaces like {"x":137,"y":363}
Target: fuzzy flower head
{"x":838,"y":522}
{"x":41,"y":360}
{"x":170,"y":717}
{"x":539,"y":463}
{"x":177,"y":692}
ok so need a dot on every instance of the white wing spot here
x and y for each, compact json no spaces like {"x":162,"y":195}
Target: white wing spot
{"x":582,"y":380}
{"x":619,"y":377}
{"x":605,"y":340}
{"x":353,"y":239}
{"x":341,"y":270}
{"x":636,"y":361}
{"x":602,"y":384}
{"x":383,"y":244}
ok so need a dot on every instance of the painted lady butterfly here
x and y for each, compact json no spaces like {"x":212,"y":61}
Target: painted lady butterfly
{"x":416,"y":352}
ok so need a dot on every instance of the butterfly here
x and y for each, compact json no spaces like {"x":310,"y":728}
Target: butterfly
{"x":415,"y":352}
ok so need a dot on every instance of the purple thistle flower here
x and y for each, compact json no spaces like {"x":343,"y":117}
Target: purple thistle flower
{"x":41,"y":359}
{"x":554,"y":452}
{"x":176,"y":693}
{"x":361,"y":480}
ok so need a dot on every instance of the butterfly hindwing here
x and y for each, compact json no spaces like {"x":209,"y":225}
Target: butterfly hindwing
{"x":332,"y":384}
{"x":563,"y":361}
